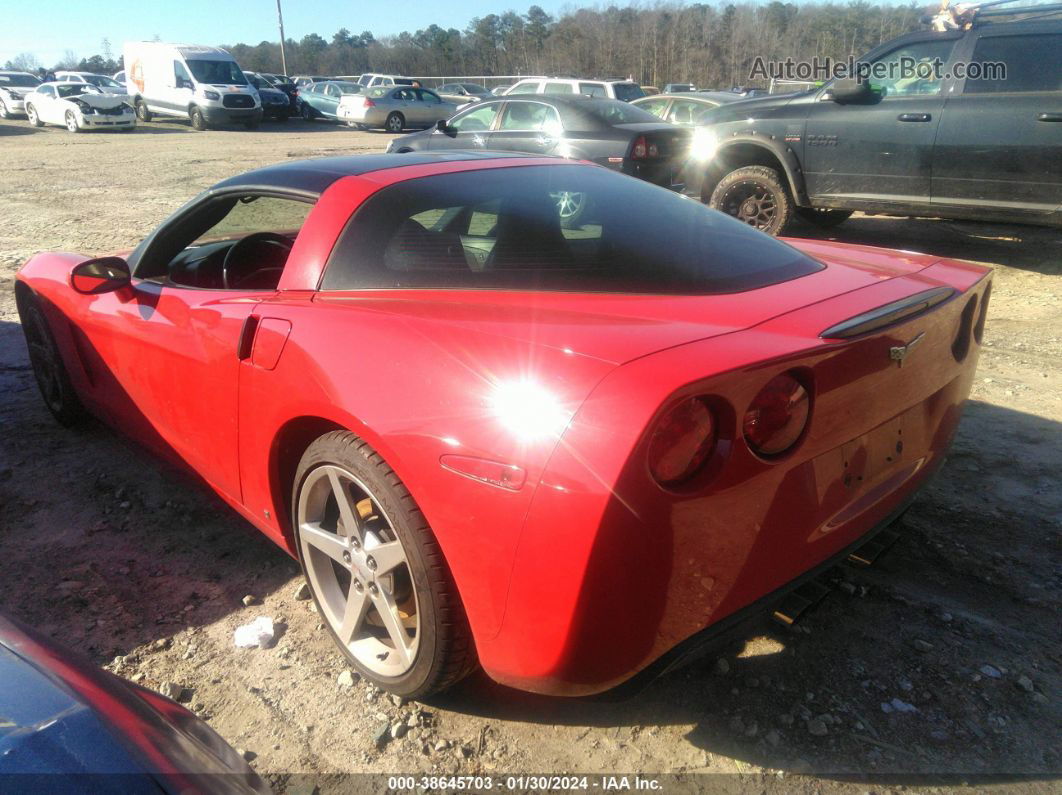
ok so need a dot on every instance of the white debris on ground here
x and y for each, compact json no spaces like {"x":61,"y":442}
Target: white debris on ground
{"x":258,"y":634}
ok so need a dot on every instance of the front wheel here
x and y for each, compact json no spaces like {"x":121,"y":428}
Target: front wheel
{"x":376,"y":572}
{"x":755,"y":195}
{"x":31,"y":115}
{"x":71,"y":122}
{"x":142,"y":111}
{"x":4,"y":112}
{"x":395,"y":123}
{"x":307,"y":112}
{"x":47,"y":363}
{"x":824,"y":219}
{"x":198,"y":119}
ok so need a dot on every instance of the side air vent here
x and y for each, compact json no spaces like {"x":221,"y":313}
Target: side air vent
{"x":888,"y":315}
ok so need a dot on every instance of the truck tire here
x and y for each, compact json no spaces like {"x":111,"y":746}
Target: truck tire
{"x":823,"y":218}
{"x":197,"y":118}
{"x":756,"y":195}
{"x":142,"y":111}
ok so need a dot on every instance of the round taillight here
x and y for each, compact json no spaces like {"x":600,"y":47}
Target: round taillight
{"x":776,"y":417}
{"x":681,"y":441}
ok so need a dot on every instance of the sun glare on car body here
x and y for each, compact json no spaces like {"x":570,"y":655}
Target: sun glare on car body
{"x":527,"y":410}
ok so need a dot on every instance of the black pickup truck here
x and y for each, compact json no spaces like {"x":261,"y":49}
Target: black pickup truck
{"x":938,"y":146}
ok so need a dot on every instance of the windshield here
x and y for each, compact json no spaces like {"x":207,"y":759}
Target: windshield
{"x":73,"y":89}
{"x":380,"y":91}
{"x":102,"y":82}
{"x":515,"y":228}
{"x":22,"y":81}
{"x":279,"y":80}
{"x":627,"y":91}
{"x":218,"y":73}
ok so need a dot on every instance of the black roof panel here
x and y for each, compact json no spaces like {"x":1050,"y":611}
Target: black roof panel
{"x":314,"y":176}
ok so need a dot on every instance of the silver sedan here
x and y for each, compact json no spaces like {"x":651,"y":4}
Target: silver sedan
{"x":394,"y":108}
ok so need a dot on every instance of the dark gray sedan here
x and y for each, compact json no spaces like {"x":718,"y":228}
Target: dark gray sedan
{"x":614,"y":134}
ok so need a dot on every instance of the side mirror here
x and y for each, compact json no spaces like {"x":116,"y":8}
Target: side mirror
{"x":849,"y":91}
{"x":102,"y":275}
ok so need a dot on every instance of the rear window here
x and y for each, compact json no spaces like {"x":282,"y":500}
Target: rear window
{"x":612,"y":111}
{"x":569,"y":228}
{"x":628,"y":91}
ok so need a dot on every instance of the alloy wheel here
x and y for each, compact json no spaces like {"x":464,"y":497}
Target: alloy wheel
{"x":569,"y":203}
{"x":45,"y":359}
{"x":71,"y":121}
{"x":752,"y":203}
{"x":358,"y":571}
{"x":3,"y":110}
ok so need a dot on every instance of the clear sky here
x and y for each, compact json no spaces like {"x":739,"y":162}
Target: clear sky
{"x":48,"y":29}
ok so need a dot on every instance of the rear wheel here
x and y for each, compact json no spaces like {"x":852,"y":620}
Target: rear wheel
{"x":142,"y":111}
{"x":198,"y":119}
{"x":71,"y":122}
{"x":307,"y":112}
{"x":755,"y":195}
{"x":376,"y":571}
{"x":395,"y":122}
{"x":48,"y":368}
{"x":822,"y":218}
{"x":31,"y":115}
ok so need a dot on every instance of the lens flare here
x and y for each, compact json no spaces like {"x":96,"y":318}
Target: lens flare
{"x":528,"y":410}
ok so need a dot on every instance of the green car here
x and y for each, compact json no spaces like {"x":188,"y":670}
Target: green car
{"x":321,"y":100}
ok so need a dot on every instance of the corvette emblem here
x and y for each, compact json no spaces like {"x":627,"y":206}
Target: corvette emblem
{"x":899,"y":352}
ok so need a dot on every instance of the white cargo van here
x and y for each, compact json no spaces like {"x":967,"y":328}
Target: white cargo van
{"x":203,"y":84}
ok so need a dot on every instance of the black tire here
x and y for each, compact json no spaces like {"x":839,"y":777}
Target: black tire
{"x":756,"y":195}
{"x":307,"y":112}
{"x":395,"y":122}
{"x":195,"y":115}
{"x":32,"y":117}
{"x":142,"y":111}
{"x":53,"y":380}
{"x":823,"y":218}
{"x":4,"y":112}
{"x":446,"y":652}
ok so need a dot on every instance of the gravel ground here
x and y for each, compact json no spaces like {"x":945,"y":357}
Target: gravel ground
{"x":944,"y":658}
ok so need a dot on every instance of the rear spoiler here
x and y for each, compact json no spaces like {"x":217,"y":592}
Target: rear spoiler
{"x":889,"y":314}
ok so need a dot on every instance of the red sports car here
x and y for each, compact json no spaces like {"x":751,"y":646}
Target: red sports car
{"x":568,"y":452}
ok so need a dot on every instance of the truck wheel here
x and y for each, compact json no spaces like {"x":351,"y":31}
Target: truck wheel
{"x":142,"y":111}
{"x":395,"y":123}
{"x":756,"y":195}
{"x":198,"y":119}
{"x":823,"y":218}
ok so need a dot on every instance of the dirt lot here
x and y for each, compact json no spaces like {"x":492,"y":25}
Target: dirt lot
{"x":942,"y":659}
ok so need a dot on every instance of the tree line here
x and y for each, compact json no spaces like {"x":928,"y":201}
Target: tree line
{"x":711,"y":44}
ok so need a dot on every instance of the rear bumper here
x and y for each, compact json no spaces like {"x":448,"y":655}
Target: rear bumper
{"x":614,"y":572}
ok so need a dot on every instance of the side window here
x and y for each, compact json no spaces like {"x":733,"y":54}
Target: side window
{"x":479,"y":120}
{"x":405,"y":94}
{"x":181,"y":74}
{"x":912,"y":70}
{"x":654,"y":106}
{"x":195,"y":250}
{"x":683,"y":111}
{"x":1030,"y":63}
{"x":525,"y":88}
{"x":529,"y":116}
{"x":424,"y":95}
{"x":559,"y":88}
{"x":594,"y":89}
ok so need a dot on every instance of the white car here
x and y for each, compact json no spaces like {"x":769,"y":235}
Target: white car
{"x":624,"y":90}
{"x":14,"y":86}
{"x":107,"y":85}
{"x":78,"y":106}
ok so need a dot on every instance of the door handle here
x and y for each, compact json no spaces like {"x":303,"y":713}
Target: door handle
{"x":914,"y":117}
{"x":1049,"y":117}
{"x":246,"y":342}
